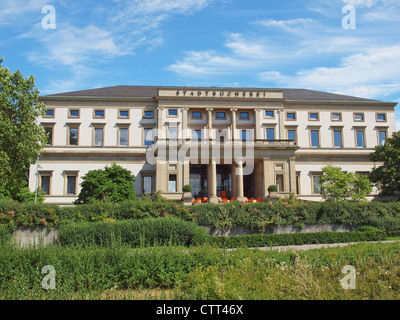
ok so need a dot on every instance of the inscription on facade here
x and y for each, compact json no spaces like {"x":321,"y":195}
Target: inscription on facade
{"x":223,"y":93}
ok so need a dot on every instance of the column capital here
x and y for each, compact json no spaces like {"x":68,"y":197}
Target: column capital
{"x":185,"y":109}
{"x":234,"y":109}
{"x":209,"y":109}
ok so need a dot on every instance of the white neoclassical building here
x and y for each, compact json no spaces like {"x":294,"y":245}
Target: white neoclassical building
{"x":224,"y":142}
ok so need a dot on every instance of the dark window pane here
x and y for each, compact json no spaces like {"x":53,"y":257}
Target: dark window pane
{"x":71,"y":185}
{"x":73,"y":136}
{"x":45,"y":184}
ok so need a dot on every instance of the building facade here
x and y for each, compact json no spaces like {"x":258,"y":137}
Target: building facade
{"x":224,"y":142}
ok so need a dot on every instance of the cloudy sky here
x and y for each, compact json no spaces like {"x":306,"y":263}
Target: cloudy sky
{"x":256,"y":43}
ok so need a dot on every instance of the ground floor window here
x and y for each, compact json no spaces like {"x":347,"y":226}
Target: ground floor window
{"x":172,"y":183}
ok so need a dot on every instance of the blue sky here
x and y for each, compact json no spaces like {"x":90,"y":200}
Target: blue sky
{"x":257,"y":43}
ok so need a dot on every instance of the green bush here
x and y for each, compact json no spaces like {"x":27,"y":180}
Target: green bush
{"x":135,"y":233}
{"x":264,"y":240}
{"x":256,"y":216}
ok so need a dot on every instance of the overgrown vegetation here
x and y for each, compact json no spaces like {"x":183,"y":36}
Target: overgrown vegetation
{"x":256,"y":216}
{"x":202,"y":272}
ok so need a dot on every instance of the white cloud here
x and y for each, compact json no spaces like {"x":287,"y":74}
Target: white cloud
{"x":360,"y":3}
{"x":371,"y":74}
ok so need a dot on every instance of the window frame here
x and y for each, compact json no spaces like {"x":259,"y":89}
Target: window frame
{"x":269,"y":117}
{"x":169,"y":115}
{"x":96,"y":127}
{"x":69,"y":127}
{"x":312,"y":113}
{"x":45,"y":174}
{"x":336,"y":120}
{"x":50,"y":109}
{"x":70,"y":116}
{"x":99,"y":117}
{"x":359,"y":113}
{"x":144,"y":114}
{"x":119,"y":136}
{"x":381,"y":114}
{"x":334,"y":140}
{"x":220,"y":118}
{"x":290,"y":112}
{"x":356,"y":130}
{"x":318,"y":137}
{"x":244,"y":118}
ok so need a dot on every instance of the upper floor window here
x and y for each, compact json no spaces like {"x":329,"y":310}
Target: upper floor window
{"x":337,"y":138}
{"x":149,"y":114}
{"x":73,"y":136}
{"x":49,"y":131}
{"x":381,"y":117}
{"x":382,"y":135}
{"x":172,"y":112}
{"x":98,"y":114}
{"x":314,"y":138}
{"x":360,"y":138}
{"x":245,"y":135}
{"x":220,"y":115}
{"x":123,"y":136}
{"x":196,"y":114}
{"x":313,"y":116}
{"x":270,"y":133}
{"x":148,"y":136}
{"x":49,"y":113}
{"x":123,"y":114}
{"x":359,"y":117}
{"x":98,"y":137}
{"x":244,"y":115}
{"x":74,"y":113}
{"x":290,"y":116}
{"x":269,"y":113}
{"x":196,"y":135}
{"x":291,"y":135}
{"x":336,"y":116}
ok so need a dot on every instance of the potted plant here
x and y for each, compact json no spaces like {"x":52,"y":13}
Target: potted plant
{"x":273,"y":192}
{"x":187,"y":194}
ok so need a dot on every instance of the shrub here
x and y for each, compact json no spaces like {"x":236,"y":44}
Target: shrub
{"x":272,"y":188}
{"x":187,"y":188}
{"x":135,"y":233}
{"x":264,"y":240}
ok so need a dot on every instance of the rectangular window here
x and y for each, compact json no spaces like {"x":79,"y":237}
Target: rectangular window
{"x":99,"y":113}
{"x":382,"y":137}
{"x":336,"y":117}
{"x":316,"y":184}
{"x":314,"y":138}
{"x":98,"y":137}
{"x":270,"y":133}
{"x":73,"y":136}
{"x":358,"y":117}
{"x":148,"y":114}
{"x":220,"y":115}
{"x":291,"y":135}
{"x":381,"y":117}
{"x":269,"y":113}
{"x":45,"y":184}
{"x":196,"y":135}
{"x":291,"y":116}
{"x":71,"y":185}
{"x":360,"y":143}
{"x":173,"y":112}
{"x":74,"y":113}
{"x":172,"y":183}
{"x":148,"y":136}
{"x":279,"y":182}
{"x":49,"y":131}
{"x":173,"y":133}
{"x":244,"y":115}
{"x":124,"y":114}
{"x":123,"y":136}
{"x":337,"y":138}
{"x":49,"y":113}
{"x":313,"y":116}
{"x":147,"y":184}
{"x":245,"y":135}
{"x":196,"y":115}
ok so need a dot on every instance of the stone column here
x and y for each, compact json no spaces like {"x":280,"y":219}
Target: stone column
{"x":292,"y":174}
{"x":257,"y":124}
{"x":233,"y":180}
{"x":160,"y":124}
{"x":185,"y":131}
{"x":239,"y":179}
{"x":212,"y":183}
{"x":209,"y":122}
{"x":233,"y":124}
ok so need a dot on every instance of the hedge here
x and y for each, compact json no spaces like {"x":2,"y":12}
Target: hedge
{"x":134,"y":233}
{"x":264,"y":240}
{"x":257,"y":216}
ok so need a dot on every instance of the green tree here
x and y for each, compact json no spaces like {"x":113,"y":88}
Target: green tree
{"x":21,"y":138}
{"x":386,"y":177}
{"x":338,"y":185}
{"x":113,"y":183}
